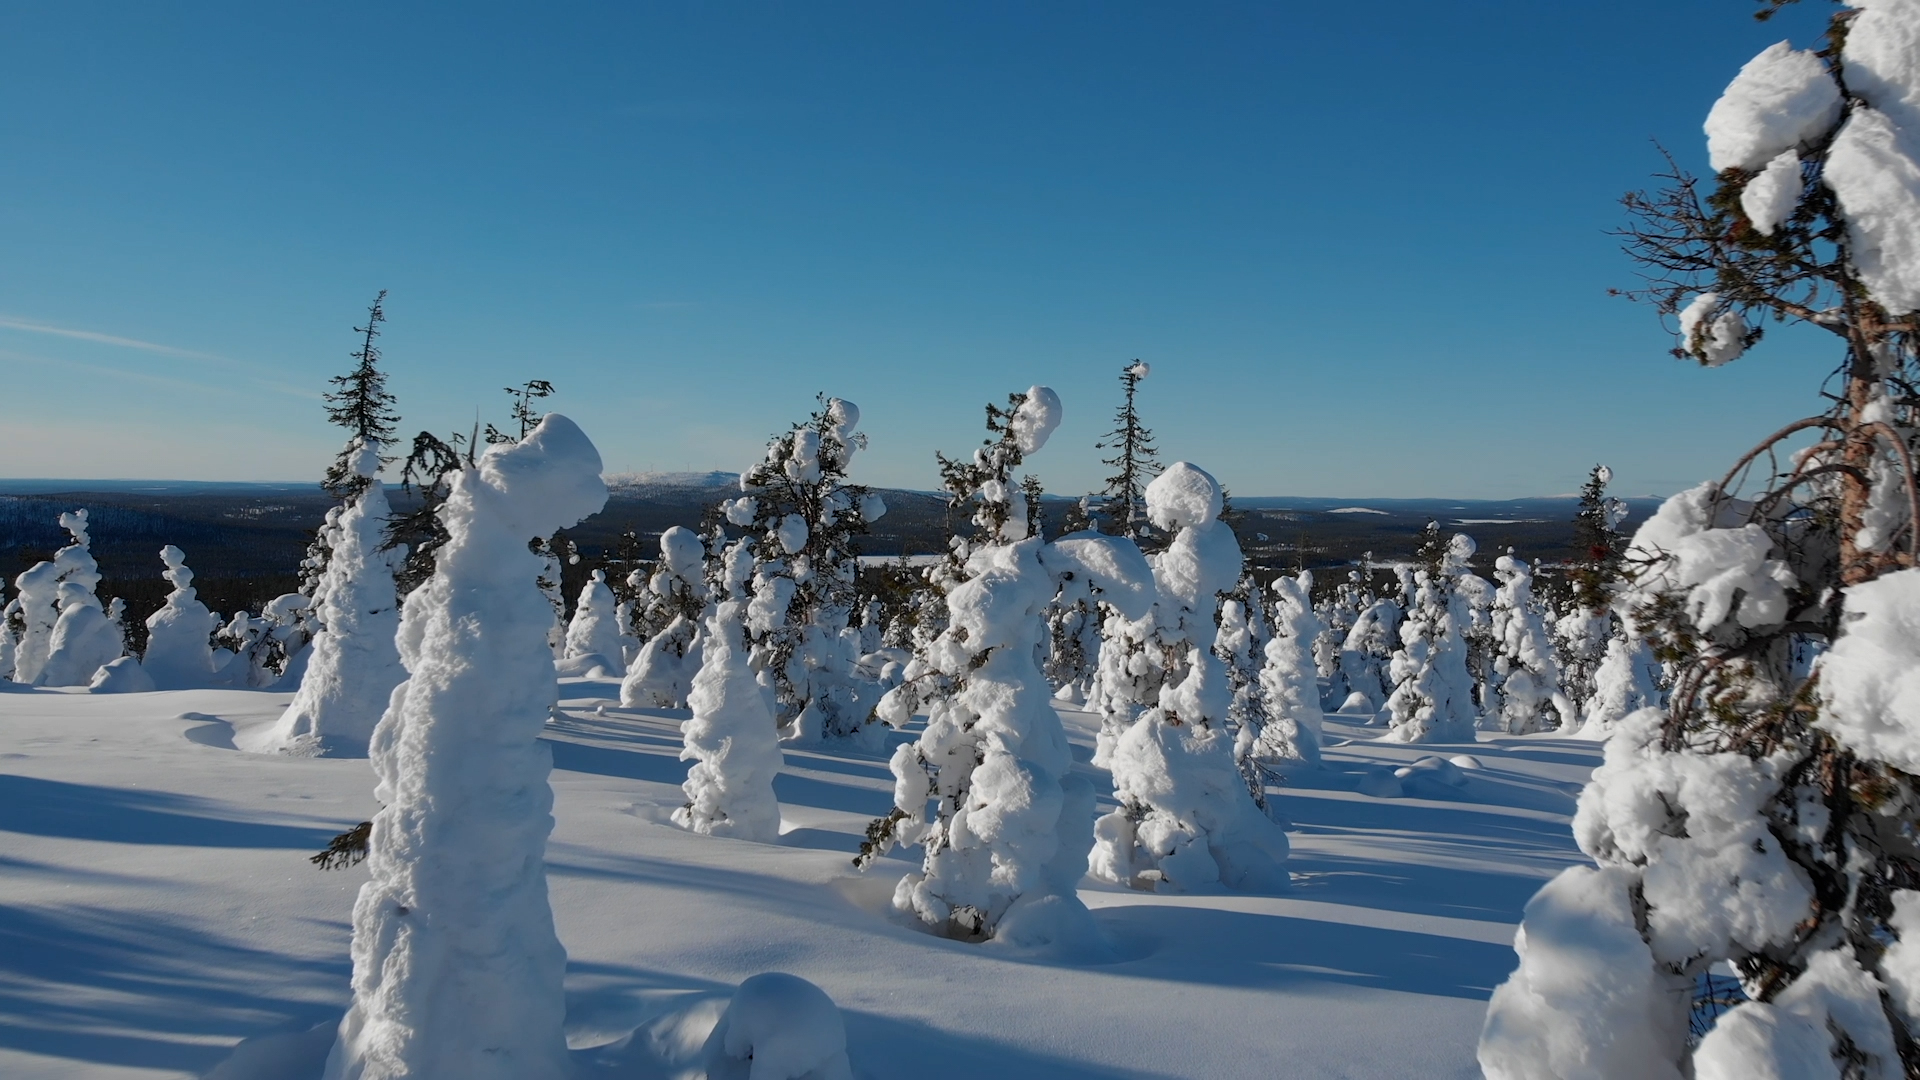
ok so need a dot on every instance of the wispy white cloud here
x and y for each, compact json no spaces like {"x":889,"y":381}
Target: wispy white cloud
{"x":11,"y":323}
{"x":255,"y":372}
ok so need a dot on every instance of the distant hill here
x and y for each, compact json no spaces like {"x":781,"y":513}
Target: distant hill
{"x":245,"y":540}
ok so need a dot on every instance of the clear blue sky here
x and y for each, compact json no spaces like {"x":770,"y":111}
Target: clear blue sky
{"x":1362,"y":245}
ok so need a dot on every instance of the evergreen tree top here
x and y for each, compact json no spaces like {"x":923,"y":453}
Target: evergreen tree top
{"x":361,"y":404}
{"x":1135,"y":456}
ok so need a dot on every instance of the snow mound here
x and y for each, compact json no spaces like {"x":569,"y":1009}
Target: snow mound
{"x":779,"y":1027}
{"x":1587,"y":1000}
{"x":123,"y":676}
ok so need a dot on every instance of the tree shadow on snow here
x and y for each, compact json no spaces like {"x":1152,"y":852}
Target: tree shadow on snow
{"x":37,"y":807}
{"x":99,"y":986}
{"x":1210,"y":946}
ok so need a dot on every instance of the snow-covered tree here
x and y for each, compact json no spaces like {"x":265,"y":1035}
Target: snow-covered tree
{"x":1527,"y":693}
{"x":1240,"y":644}
{"x":179,"y":652}
{"x":83,"y":637}
{"x":1134,"y":458}
{"x":1288,"y":675}
{"x":732,"y":740}
{"x":1627,"y":681}
{"x":595,"y":629}
{"x":1367,"y":653}
{"x":987,"y":788}
{"x":35,"y":611}
{"x":669,"y":615}
{"x":1586,"y":622}
{"x":1186,"y":819}
{"x":355,"y":663}
{"x":456,"y":967}
{"x":801,"y":517}
{"x":1432,"y":699}
{"x":1765,"y":819}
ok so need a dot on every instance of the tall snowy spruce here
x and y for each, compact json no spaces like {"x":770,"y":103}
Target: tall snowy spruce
{"x":1186,"y":818}
{"x":1766,"y":819}
{"x":801,"y":517}
{"x":456,"y":968}
{"x":354,"y":663}
{"x":1433,"y":699}
{"x":987,"y":788}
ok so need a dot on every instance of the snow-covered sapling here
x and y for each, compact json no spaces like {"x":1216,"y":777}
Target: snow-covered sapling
{"x":731,"y":739}
{"x":595,"y":629}
{"x":1287,"y":679}
{"x":457,"y":971}
{"x":179,"y":652}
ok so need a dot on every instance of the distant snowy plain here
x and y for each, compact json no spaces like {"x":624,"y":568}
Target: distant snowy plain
{"x":158,"y":906}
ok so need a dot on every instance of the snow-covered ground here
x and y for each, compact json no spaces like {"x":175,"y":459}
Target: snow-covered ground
{"x":158,"y":905}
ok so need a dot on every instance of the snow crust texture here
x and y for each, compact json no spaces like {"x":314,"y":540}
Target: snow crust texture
{"x":456,"y":968}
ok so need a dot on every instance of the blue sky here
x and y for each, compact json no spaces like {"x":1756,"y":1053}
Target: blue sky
{"x":1362,"y":245}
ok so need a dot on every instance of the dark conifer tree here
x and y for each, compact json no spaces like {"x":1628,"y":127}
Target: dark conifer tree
{"x":361,"y":404}
{"x":1134,"y":457}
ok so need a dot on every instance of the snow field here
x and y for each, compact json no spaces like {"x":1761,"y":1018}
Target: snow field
{"x":160,"y":908}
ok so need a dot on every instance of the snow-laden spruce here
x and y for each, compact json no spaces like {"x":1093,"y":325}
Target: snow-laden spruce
{"x":595,"y":629}
{"x":987,"y":787}
{"x":1186,"y":819}
{"x":456,"y":968}
{"x":801,"y":518}
{"x":1432,"y":699}
{"x":732,"y":739}
{"x":355,"y":663}
{"x":179,"y":652}
{"x":669,"y":615}
{"x":1764,"y":819}
{"x":1528,"y":680}
{"x":1288,"y":676}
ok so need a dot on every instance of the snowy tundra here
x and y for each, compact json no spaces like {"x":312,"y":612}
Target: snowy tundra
{"x":159,"y":907}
